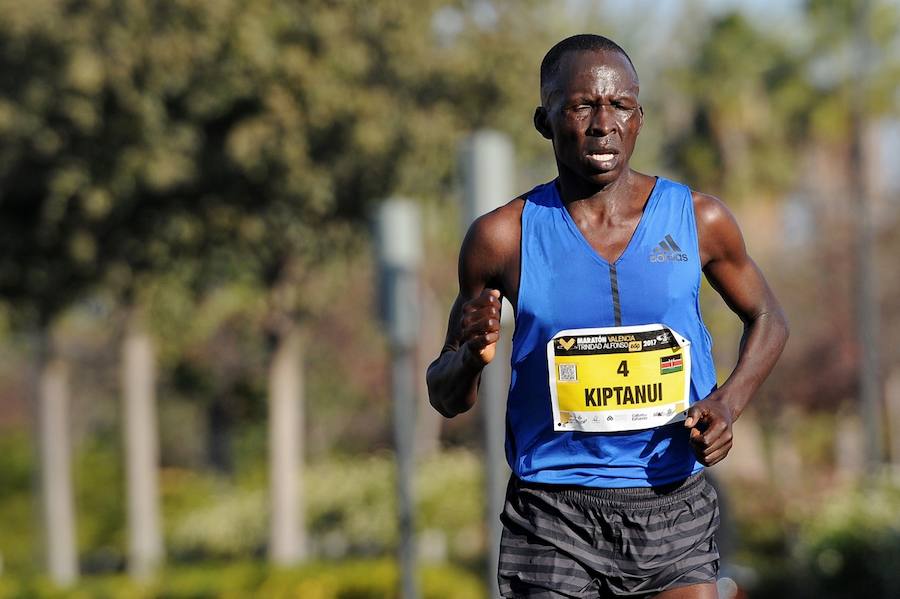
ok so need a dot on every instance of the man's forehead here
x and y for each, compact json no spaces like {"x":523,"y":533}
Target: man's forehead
{"x":599,"y":65}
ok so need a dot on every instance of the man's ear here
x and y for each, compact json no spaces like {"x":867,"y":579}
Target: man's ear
{"x":541,"y":122}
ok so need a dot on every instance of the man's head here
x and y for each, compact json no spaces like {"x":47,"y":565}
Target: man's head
{"x":584,"y":42}
{"x":589,"y":107}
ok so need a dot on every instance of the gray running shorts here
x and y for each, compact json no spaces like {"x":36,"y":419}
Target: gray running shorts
{"x":580,"y":542}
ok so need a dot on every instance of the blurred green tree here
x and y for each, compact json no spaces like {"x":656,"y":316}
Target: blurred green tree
{"x":748,"y":97}
{"x":231,"y":141}
{"x":759,"y":102}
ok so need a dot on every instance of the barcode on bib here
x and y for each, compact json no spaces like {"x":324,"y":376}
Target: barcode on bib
{"x":568,"y":373}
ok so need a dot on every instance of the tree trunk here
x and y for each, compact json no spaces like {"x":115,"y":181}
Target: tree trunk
{"x":287,"y":538}
{"x":892,"y":393}
{"x":218,"y":440}
{"x":141,"y":441}
{"x":56,"y":474}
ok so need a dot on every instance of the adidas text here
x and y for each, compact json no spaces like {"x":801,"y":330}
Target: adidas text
{"x":668,"y":257}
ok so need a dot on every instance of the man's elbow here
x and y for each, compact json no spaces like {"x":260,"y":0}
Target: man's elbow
{"x":774,"y":320}
{"x":780,"y":330}
{"x":440,"y":409}
{"x":434,"y":395}
{"x":438,"y":405}
{"x":785,"y":326}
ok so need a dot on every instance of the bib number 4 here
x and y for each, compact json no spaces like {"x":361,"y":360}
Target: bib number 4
{"x":618,"y":378}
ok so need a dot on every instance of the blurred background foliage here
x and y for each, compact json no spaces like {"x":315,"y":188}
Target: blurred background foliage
{"x":215,"y":164}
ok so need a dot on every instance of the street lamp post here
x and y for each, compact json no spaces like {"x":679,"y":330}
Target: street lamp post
{"x":399,"y":253}
{"x":487,"y":163}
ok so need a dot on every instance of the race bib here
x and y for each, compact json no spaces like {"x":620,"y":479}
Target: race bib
{"x":618,"y":378}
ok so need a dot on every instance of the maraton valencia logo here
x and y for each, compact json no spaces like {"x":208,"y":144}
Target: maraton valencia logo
{"x":567,"y":345}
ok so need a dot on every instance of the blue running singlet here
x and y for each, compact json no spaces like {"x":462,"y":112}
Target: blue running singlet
{"x":565,"y":284}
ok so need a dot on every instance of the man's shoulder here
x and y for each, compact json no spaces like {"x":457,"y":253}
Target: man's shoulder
{"x":709,"y":210}
{"x":510,"y":211}
{"x":705,"y":205}
{"x":717,"y":228}
{"x":496,"y":234}
{"x":490,"y":250}
{"x":665,"y":184}
{"x":500,"y":223}
{"x":500,"y":230}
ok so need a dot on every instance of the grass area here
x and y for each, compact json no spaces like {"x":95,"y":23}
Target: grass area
{"x":354,"y":579}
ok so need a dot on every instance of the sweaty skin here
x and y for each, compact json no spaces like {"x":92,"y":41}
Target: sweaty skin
{"x":591,"y":114}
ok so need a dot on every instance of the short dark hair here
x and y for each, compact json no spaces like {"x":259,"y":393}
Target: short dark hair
{"x":577,"y":43}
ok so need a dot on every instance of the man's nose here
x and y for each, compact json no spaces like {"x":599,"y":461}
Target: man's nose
{"x":603,"y":121}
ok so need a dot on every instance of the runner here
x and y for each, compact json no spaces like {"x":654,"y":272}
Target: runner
{"x":613,"y":407}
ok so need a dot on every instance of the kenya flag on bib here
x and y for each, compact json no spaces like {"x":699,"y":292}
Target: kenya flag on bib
{"x":671,"y":364}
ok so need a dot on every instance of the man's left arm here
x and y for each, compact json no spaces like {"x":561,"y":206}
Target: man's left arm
{"x":734,"y":275}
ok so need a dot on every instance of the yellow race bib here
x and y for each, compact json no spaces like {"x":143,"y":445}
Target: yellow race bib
{"x":618,"y":378}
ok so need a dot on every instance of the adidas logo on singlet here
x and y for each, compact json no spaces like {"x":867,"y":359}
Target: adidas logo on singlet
{"x":668,"y":251}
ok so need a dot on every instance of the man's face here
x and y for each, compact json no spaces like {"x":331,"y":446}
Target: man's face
{"x":593,"y":115}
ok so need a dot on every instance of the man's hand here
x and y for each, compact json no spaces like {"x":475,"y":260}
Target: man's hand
{"x":480,"y":325}
{"x":710,"y":423}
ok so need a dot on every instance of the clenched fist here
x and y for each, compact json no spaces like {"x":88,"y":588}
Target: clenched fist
{"x":480,"y":325}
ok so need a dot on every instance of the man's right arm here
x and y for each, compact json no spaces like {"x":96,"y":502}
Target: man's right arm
{"x":487,"y":263}
{"x":472,"y":334}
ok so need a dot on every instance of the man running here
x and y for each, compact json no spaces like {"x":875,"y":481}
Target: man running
{"x":613,"y":407}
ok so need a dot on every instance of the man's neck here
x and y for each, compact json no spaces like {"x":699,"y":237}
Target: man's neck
{"x":622,"y":193}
